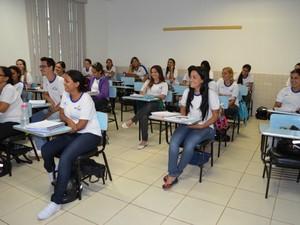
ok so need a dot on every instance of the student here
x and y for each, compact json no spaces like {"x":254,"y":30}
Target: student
{"x":99,"y":84}
{"x":26,"y":77}
{"x":226,"y":86}
{"x":137,"y":70}
{"x":10,"y":104}
{"x":288,"y":82}
{"x":171,"y":72}
{"x":77,"y":110}
{"x":198,"y":102}
{"x":87,"y":67}
{"x":155,"y":86}
{"x":54,"y":87}
{"x":16,"y":79}
{"x":288,"y":99}
{"x":60,"y":68}
{"x":110,"y":69}
{"x":245,"y":78}
{"x":205,"y":64}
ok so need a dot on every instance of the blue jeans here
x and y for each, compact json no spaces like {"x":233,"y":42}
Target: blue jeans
{"x":188,"y":138}
{"x":39,"y":116}
{"x":69,"y":147}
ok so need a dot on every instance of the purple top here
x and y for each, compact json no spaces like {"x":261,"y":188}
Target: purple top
{"x":103,"y":87}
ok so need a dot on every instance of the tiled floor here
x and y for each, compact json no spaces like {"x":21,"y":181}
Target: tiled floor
{"x":232,"y":192}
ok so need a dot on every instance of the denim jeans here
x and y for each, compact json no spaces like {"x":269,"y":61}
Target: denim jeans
{"x":143,"y":112}
{"x":188,"y":138}
{"x":69,"y":147}
{"x":39,"y":116}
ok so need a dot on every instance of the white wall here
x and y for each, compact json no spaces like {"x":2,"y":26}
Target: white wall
{"x":96,"y":30}
{"x":14,"y":42}
{"x":269,"y":39}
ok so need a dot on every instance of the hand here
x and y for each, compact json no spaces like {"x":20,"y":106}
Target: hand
{"x":71,"y":124}
{"x":196,"y":126}
{"x":52,"y":107}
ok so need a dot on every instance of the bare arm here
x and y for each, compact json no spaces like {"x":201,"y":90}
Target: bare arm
{"x":277,"y":104}
{"x":3,"y":107}
{"x":81,"y":124}
{"x":212,"y":120}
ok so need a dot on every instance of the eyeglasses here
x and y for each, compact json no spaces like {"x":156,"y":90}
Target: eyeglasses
{"x":43,"y":66}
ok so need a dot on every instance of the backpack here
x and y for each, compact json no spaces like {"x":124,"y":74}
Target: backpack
{"x":199,"y":158}
{"x":90,"y":168}
{"x":243,"y":111}
{"x":261,"y":113}
{"x":5,"y":167}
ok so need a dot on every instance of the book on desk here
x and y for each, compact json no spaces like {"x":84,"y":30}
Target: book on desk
{"x":44,"y":126}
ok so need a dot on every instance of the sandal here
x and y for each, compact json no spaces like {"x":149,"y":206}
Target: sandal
{"x":168,"y":186}
{"x":165,"y":178}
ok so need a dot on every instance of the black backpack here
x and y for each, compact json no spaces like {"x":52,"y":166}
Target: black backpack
{"x":88,"y":168}
{"x":5,"y":166}
{"x":262,"y":113}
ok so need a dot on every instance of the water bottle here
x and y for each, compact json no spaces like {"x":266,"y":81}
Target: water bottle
{"x":24,"y":115}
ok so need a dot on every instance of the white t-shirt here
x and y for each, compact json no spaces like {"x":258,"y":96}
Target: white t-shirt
{"x":290,"y":101}
{"x":28,"y":78}
{"x":10,"y":96}
{"x":141,"y":72}
{"x":107,"y":72}
{"x":194,"y":111}
{"x":156,"y":89}
{"x":82,"y":109}
{"x":55,"y":88}
{"x":232,"y":91}
{"x":19,"y":86}
{"x":248,"y":79}
{"x":86,"y":73}
{"x":95,"y":86}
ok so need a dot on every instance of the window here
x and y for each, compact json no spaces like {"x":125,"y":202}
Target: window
{"x":56,"y":28}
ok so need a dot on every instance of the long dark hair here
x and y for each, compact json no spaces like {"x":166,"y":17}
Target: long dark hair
{"x":168,"y":70}
{"x":17,"y":70}
{"x":205,"y":64}
{"x":160,"y":73}
{"x":24,"y":64}
{"x":240,"y":79}
{"x":112,"y":64}
{"x":203,"y":91}
{"x":7,"y":73}
{"x":77,"y":76}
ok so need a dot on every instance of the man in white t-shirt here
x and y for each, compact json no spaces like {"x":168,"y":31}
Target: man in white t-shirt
{"x":53,"y":86}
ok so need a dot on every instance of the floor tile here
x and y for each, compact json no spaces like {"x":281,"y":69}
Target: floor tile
{"x":236,"y":217}
{"x":274,"y":222}
{"x":98,"y":209}
{"x":124,"y":189}
{"x":136,"y":215}
{"x":289,"y":190}
{"x":255,"y":168}
{"x":170,"y":221}
{"x":231,"y":163}
{"x":252,"y":202}
{"x":287,"y":211}
{"x":158,"y":161}
{"x":144,"y":174}
{"x":68,"y":218}
{"x":119,"y":166}
{"x":135,"y":155}
{"x":13,"y":199}
{"x":27,"y":214}
{"x":258,"y":184}
{"x":223,"y":176}
{"x":158,"y":200}
{"x":196,"y":211}
{"x":212,"y":192}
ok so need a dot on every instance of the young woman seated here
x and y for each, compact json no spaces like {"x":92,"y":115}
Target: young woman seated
{"x":99,"y":84}
{"x":110,"y":69}
{"x":171,"y":71}
{"x":156,"y":87}
{"x":10,"y":104}
{"x":288,"y":82}
{"x":78,"y":111}
{"x":16,"y":78}
{"x":226,"y":86}
{"x":60,"y":68}
{"x":198,"y":102}
{"x":288,"y":99}
{"x":137,"y":70}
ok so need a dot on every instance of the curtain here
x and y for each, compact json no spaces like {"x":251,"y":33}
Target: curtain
{"x":56,"y":29}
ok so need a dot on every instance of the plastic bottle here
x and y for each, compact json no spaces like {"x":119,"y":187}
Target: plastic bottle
{"x":24,"y":115}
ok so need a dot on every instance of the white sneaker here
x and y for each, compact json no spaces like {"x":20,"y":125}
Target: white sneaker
{"x":142,"y":146}
{"x":50,"y":210}
{"x":124,"y":125}
{"x":32,"y":154}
